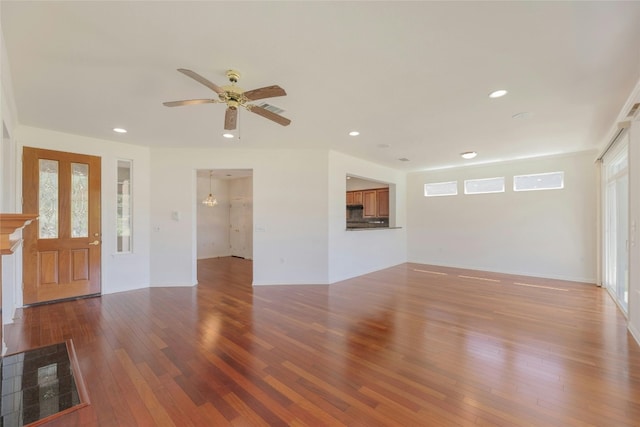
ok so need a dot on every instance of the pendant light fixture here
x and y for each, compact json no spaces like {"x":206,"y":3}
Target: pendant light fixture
{"x":210,"y":200}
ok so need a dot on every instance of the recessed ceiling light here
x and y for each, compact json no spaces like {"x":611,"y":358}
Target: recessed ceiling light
{"x":228,"y":135}
{"x":468,"y":154}
{"x":120,"y":130}
{"x":498,"y":93}
{"x":354,"y":133}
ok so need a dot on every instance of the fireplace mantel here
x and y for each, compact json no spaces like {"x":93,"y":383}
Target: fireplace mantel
{"x":9,"y":223}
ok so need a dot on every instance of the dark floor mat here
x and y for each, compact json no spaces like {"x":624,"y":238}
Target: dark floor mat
{"x":40,"y":384}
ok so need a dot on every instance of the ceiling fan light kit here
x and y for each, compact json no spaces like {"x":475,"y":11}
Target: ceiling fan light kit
{"x":234,"y":96}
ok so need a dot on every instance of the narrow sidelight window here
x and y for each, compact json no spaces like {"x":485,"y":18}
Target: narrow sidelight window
{"x":124,"y":213}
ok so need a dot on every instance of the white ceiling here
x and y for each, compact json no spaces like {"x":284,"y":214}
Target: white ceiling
{"x":412,"y":77}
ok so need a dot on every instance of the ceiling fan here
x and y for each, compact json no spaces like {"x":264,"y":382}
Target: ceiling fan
{"x":234,"y":97}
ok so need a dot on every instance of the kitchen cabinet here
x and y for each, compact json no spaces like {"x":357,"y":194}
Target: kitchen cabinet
{"x":383,"y":202}
{"x":370,"y":203}
{"x":354,"y":197}
{"x":357,"y":197}
{"x":375,"y":202}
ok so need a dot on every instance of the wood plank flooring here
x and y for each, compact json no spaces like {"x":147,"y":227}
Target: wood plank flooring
{"x":412,"y":345}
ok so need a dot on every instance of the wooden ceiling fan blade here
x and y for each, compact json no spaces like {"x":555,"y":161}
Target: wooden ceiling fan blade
{"x":264,"y":92}
{"x":270,"y":115}
{"x":197,"y":77}
{"x":231,"y":118}
{"x":189,"y":102}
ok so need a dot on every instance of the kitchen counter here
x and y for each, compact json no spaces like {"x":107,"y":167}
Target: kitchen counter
{"x":371,"y":228}
{"x":372,"y":223}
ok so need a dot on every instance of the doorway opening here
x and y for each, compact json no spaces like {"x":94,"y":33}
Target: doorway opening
{"x":224,"y":228}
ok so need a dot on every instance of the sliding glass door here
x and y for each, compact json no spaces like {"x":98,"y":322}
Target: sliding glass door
{"x":616,"y":222}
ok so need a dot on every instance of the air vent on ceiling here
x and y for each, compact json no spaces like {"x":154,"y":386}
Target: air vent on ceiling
{"x":634,"y":109}
{"x":271,"y":108}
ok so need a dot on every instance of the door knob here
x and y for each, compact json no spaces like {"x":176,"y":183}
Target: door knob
{"x":94,"y":243}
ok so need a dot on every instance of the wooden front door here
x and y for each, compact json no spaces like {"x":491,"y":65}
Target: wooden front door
{"x":61,"y":257}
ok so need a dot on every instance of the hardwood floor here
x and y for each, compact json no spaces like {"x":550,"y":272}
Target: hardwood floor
{"x":411,"y":345}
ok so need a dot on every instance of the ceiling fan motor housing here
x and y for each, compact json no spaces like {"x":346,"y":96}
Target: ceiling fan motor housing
{"x":232,"y":95}
{"x":233,"y":76}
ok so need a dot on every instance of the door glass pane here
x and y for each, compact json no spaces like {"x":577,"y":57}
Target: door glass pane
{"x":48,"y":199}
{"x":79,"y":200}
{"x":610,"y":236}
{"x":616,"y":224}
{"x":622,"y":240}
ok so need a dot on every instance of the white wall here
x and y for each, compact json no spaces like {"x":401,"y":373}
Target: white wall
{"x":120,"y":272}
{"x":356,"y":184}
{"x":353,"y":253}
{"x":212,"y":232}
{"x":538,"y":233}
{"x":289,"y":213}
{"x":241,"y":188}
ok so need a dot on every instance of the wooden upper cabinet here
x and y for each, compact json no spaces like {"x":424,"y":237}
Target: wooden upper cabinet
{"x":370,"y":203}
{"x":383,"y":202}
{"x":357,"y":197}
{"x":375,"y":202}
{"x":354,"y":197}
{"x":349,"y":198}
